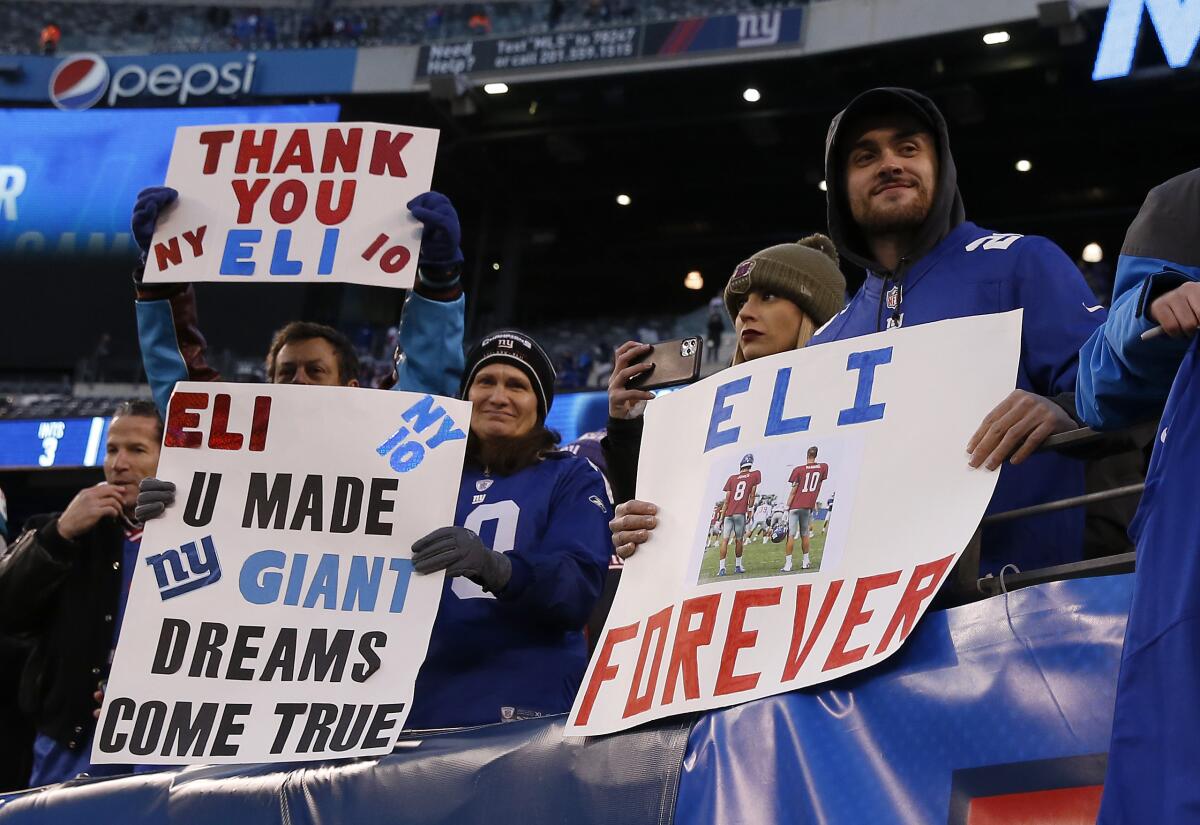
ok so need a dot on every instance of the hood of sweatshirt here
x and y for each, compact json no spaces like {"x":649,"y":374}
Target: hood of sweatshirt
{"x":946,"y":211}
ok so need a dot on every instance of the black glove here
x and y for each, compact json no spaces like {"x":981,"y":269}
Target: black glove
{"x":459,"y":552}
{"x":154,"y":497}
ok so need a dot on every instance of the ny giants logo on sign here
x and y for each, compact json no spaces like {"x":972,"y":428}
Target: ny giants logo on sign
{"x":1176,"y":24}
{"x":174,"y":580}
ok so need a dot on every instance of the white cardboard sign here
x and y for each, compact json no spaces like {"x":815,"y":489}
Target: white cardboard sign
{"x":855,"y":448}
{"x":274,"y":614}
{"x":287,"y":203}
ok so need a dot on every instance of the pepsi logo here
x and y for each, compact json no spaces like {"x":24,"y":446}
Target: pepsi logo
{"x":79,"y":82}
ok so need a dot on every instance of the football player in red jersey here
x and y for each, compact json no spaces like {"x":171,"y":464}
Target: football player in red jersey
{"x":739,"y":492}
{"x":806,"y":482}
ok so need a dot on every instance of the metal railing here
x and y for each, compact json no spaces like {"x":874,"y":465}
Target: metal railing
{"x":964,"y":583}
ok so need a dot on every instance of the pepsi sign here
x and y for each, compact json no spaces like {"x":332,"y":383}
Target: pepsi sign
{"x":81,"y":81}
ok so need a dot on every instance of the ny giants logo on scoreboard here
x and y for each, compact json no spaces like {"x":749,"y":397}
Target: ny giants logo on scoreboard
{"x":1175,"y":22}
{"x":80,"y":81}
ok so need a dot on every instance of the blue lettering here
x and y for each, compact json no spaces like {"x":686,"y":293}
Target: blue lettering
{"x":776,"y":423}
{"x":446,"y":432}
{"x":403,"y":568}
{"x":722,"y":413}
{"x":280,"y":263}
{"x":863,"y":410}
{"x":425,"y":413}
{"x":363,"y":586}
{"x":1176,"y":22}
{"x":296,"y":581}
{"x":325,"y":583}
{"x":328,"y":252}
{"x":261,"y":576}
{"x":405,"y":454}
{"x":238,"y":251}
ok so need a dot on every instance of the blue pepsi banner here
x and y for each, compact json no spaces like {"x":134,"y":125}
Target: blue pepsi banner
{"x":81,"y":81}
{"x":56,"y":198}
{"x":747,"y":30}
{"x":53,"y":442}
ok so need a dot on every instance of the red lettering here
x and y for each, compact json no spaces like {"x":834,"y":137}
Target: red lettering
{"x":298,"y":194}
{"x":258,"y":427}
{"x":797,"y":655}
{"x":260,"y":153}
{"x":386,"y":153}
{"x":341,"y":151}
{"x":738,"y":639}
{"x":181,"y":417}
{"x":196,"y":241}
{"x":379,"y":241}
{"x":326,"y":212}
{"x":219,"y":437}
{"x":214,"y":141}
{"x":855,"y":616}
{"x":247,"y":195}
{"x":640,"y":703}
{"x":167,"y":253}
{"x":298,"y":152}
{"x":395,"y":259}
{"x":687,"y":642}
{"x":604,"y":672}
{"x":915,"y":594}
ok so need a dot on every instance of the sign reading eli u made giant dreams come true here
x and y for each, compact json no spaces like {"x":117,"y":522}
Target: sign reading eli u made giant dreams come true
{"x":283,"y":203}
{"x":849,"y":455}
{"x":274,"y":614}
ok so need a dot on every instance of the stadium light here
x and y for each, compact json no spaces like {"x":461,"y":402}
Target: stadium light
{"x":1024,"y":165}
{"x":1092,"y":253}
{"x":496,"y":265}
{"x":752,"y":95}
{"x":495,"y":88}
{"x":694,"y":280}
{"x":996,"y":38}
{"x":624,"y":200}
{"x":823,"y":186}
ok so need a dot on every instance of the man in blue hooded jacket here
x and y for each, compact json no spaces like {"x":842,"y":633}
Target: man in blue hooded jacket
{"x":1124,"y":379}
{"x":895,"y":210}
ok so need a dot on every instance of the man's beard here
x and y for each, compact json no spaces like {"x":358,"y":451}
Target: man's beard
{"x":892,"y":219}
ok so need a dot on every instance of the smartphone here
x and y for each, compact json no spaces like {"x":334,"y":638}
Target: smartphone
{"x":675,"y":362}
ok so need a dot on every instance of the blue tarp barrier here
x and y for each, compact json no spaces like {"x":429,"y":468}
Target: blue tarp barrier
{"x":985,"y":705}
{"x":989,"y":707}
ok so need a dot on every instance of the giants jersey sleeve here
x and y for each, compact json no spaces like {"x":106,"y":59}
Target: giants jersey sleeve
{"x":808,"y":478}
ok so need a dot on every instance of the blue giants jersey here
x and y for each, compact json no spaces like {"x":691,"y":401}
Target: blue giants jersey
{"x":975,"y":272}
{"x":1156,"y":723}
{"x":524,"y":648}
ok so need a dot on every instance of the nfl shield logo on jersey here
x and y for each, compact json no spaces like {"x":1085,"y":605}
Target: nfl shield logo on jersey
{"x":483,"y":484}
{"x":687,"y":348}
{"x":893,"y":297}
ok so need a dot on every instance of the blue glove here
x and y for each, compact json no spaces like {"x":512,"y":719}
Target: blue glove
{"x":150,"y":203}
{"x":441,"y":258}
{"x":460,"y":552}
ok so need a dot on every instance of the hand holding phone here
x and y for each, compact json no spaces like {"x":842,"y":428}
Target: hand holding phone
{"x":672,"y":363}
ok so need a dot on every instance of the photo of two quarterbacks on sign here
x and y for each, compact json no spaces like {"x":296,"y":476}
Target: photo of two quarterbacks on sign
{"x":772,"y":514}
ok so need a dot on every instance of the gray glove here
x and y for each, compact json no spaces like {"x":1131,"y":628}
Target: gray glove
{"x":154,"y":497}
{"x":460,"y":552}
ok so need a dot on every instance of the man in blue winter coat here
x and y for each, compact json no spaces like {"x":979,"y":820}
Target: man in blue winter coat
{"x":895,"y":211}
{"x":1124,"y":379}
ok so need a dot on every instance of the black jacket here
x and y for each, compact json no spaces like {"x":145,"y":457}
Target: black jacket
{"x":63,"y":595}
{"x":622,"y":444}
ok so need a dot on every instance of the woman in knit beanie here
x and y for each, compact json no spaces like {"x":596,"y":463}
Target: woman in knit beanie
{"x":792,"y":287}
{"x":778,"y":298}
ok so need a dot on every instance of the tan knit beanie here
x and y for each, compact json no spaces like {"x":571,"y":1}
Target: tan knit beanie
{"x":805,"y":272}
